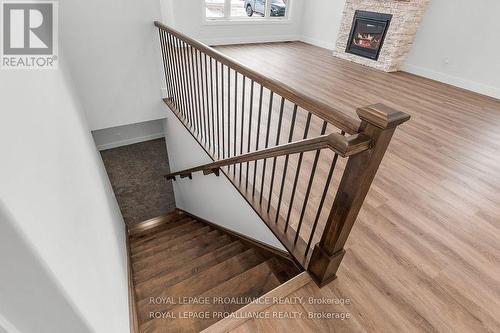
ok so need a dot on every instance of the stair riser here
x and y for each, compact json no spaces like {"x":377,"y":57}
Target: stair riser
{"x":162,"y":232}
{"x":160,"y":228}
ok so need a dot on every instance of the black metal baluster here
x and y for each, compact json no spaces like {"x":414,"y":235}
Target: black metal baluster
{"x":269,"y":114}
{"x":162,"y":46}
{"x":167,"y":64}
{"x":187,"y":103}
{"x":196,"y":95}
{"x":169,"y":68}
{"x":228,"y":113}
{"x":178,"y":83}
{"x":222,"y":113}
{"x":311,"y":180}
{"x":175,"y":76}
{"x":257,"y":139}
{"x":189,"y":83}
{"x":178,"y":55}
{"x":194,"y":69}
{"x":204,"y":108}
{"x":274,"y":159}
{"x":242,"y":119}
{"x":218,"y":109}
{"x":299,"y":164}
{"x":249,"y":131}
{"x":212,"y":105}
{"x":322,"y":201}
{"x":201,"y":94}
{"x":235,"y":116}
{"x":287,"y":158}
{"x":207,"y":91}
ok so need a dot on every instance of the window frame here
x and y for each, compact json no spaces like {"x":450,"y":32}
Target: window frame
{"x":228,"y":20}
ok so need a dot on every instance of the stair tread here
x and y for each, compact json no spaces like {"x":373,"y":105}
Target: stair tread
{"x":178,"y":251}
{"x":204,"y":280}
{"x":170,"y":245}
{"x":163,"y":237}
{"x":162,"y":232}
{"x":155,"y":285}
{"x":248,"y":285}
{"x":173,"y":261}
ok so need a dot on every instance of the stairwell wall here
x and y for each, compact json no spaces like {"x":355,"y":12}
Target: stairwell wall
{"x":63,"y":239}
{"x":212,"y":198}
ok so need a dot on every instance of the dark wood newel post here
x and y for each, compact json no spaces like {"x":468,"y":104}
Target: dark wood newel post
{"x":379,"y":122}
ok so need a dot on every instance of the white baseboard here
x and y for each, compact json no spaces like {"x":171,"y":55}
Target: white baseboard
{"x":250,"y":40}
{"x":114,"y":137}
{"x":425,"y":72}
{"x":453,"y":80}
{"x":317,"y":42}
{"x":127,"y":142}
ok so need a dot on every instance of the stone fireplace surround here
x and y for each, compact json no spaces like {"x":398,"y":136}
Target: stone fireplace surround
{"x":406,"y":19}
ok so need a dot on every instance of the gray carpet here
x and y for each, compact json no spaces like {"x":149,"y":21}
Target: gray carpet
{"x":136,"y":173}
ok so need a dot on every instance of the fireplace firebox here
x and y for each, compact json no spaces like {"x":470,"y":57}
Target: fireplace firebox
{"x":368,"y":33}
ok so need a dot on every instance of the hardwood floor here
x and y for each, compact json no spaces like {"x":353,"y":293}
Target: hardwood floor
{"x":424,"y":254}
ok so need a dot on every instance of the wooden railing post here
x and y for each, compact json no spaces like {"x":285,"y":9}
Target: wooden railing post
{"x":379,"y":123}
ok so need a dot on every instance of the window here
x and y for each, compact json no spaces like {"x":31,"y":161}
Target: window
{"x":245,"y":9}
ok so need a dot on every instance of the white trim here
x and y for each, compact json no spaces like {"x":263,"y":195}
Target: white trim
{"x":454,"y":81}
{"x":228,"y":20}
{"x":239,"y":21}
{"x":317,"y":42}
{"x":250,"y":40}
{"x":126,"y":142}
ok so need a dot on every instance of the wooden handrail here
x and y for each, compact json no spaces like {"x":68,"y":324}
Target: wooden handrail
{"x":313,"y":105}
{"x":341,"y":145}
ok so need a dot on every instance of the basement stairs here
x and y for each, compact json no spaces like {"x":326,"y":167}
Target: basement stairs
{"x":188,"y":274}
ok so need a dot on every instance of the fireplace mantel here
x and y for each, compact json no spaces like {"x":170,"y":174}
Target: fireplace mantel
{"x":407,"y":15}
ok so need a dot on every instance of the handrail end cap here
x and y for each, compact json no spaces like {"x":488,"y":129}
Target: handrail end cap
{"x":382,"y":116}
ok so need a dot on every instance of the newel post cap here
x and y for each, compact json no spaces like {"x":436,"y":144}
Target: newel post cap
{"x":382,"y":116}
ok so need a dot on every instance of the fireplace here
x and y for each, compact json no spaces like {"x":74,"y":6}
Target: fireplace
{"x":368,"y":32}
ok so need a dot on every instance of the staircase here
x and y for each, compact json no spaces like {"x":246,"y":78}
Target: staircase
{"x":182,"y":267}
{"x":303,"y":166}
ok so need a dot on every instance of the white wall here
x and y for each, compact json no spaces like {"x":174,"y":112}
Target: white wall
{"x":113,"y":50}
{"x":128,"y":134}
{"x":187,"y":17}
{"x":59,"y":199}
{"x":29,"y":295}
{"x":456,"y":43}
{"x":321,"y":22}
{"x":210,"y":197}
